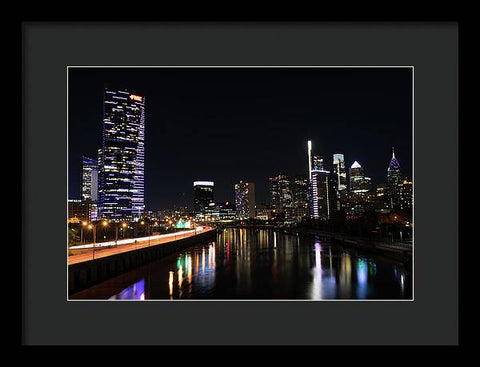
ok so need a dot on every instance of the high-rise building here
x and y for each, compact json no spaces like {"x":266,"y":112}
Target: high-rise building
{"x":380,"y":200}
{"x":89,"y":178}
{"x":317,"y":163}
{"x":280,"y":192}
{"x":405,"y":195}
{"x":245,"y":200}
{"x":79,"y":210}
{"x":300,"y":190}
{"x":339,"y":172}
{"x":358,"y":182}
{"x":121,"y":168}
{"x":309,"y":153}
{"x":202,"y":196}
{"x":220,"y":211}
{"x":356,"y":203}
{"x":393,"y":180}
{"x":300,"y":196}
{"x":322,"y":196}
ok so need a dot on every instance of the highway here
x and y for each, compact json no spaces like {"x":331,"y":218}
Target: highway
{"x":88,"y":252}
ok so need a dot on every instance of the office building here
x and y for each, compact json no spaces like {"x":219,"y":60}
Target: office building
{"x":323,"y":195}
{"x":393,"y":180}
{"x":79,"y":210}
{"x":245,"y":200}
{"x":358,"y":181}
{"x":89,"y":179}
{"x":339,"y":172}
{"x":280,"y":192}
{"x":202,"y":196}
{"x":121,"y":159}
{"x":381,"y":200}
{"x":224,"y":211}
{"x":309,"y":154}
{"x":405,"y":195}
{"x":300,"y":196}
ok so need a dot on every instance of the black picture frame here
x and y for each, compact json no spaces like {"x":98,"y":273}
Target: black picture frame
{"x":431,"y":47}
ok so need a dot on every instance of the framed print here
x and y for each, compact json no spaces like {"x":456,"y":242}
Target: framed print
{"x":294,"y":181}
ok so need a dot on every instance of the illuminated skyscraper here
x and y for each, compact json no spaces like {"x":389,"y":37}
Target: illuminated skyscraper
{"x":202,"y":196}
{"x":245,"y":200}
{"x":393,"y":180}
{"x":340,"y":175}
{"x":358,"y":182}
{"x":322,"y":201}
{"x":405,"y":195}
{"x":300,"y":196}
{"x":317,"y":162}
{"x":280,"y":192}
{"x":309,"y":153}
{"x":121,"y":158}
{"x":89,"y":178}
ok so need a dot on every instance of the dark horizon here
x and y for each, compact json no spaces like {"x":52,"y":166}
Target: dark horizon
{"x":231,"y":124}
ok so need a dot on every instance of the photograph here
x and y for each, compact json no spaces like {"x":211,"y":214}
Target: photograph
{"x":240,"y":183}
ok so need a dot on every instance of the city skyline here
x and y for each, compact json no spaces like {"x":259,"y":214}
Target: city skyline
{"x":220,"y":148}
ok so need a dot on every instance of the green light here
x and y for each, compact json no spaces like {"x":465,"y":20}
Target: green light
{"x":180,"y":224}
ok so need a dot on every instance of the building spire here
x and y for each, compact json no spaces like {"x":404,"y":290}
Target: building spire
{"x":394,"y":163}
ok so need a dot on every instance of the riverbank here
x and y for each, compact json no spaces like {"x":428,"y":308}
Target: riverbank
{"x":400,"y":252}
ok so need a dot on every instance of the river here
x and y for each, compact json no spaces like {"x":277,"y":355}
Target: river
{"x":261,"y":264}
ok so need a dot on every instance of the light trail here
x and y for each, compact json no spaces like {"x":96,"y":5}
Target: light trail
{"x":138,"y":239}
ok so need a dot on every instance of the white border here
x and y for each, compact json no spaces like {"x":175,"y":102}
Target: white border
{"x":268,"y":67}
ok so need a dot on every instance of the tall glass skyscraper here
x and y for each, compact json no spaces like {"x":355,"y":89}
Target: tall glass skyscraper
{"x":121,"y":192}
{"x":393,"y":180}
{"x":358,"y":182}
{"x":245,"y":200}
{"x":317,"y":162}
{"x":280,"y":191}
{"x":322,"y":191}
{"x":340,"y":174}
{"x":323,"y":196}
{"x":202,"y":196}
{"x":89,"y":178}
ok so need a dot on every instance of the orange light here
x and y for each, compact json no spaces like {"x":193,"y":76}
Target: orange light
{"x":136,"y":98}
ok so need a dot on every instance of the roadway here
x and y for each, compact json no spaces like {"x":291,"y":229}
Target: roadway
{"x":103,"y":249}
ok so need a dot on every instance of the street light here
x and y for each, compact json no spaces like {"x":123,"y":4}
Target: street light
{"x":148,"y":230}
{"x":84,"y":224}
{"x":94,"y":229}
{"x":116,"y":231}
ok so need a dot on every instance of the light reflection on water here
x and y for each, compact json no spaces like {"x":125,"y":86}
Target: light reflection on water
{"x":265,"y":264}
{"x":134,"y":291}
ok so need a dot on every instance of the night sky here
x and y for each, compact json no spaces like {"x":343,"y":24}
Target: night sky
{"x":231,"y":124}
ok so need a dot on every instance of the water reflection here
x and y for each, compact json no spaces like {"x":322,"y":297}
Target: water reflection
{"x":316,"y":292}
{"x":361,"y":278}
{"x":134,"y":291}
{"x":263,"y":264}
